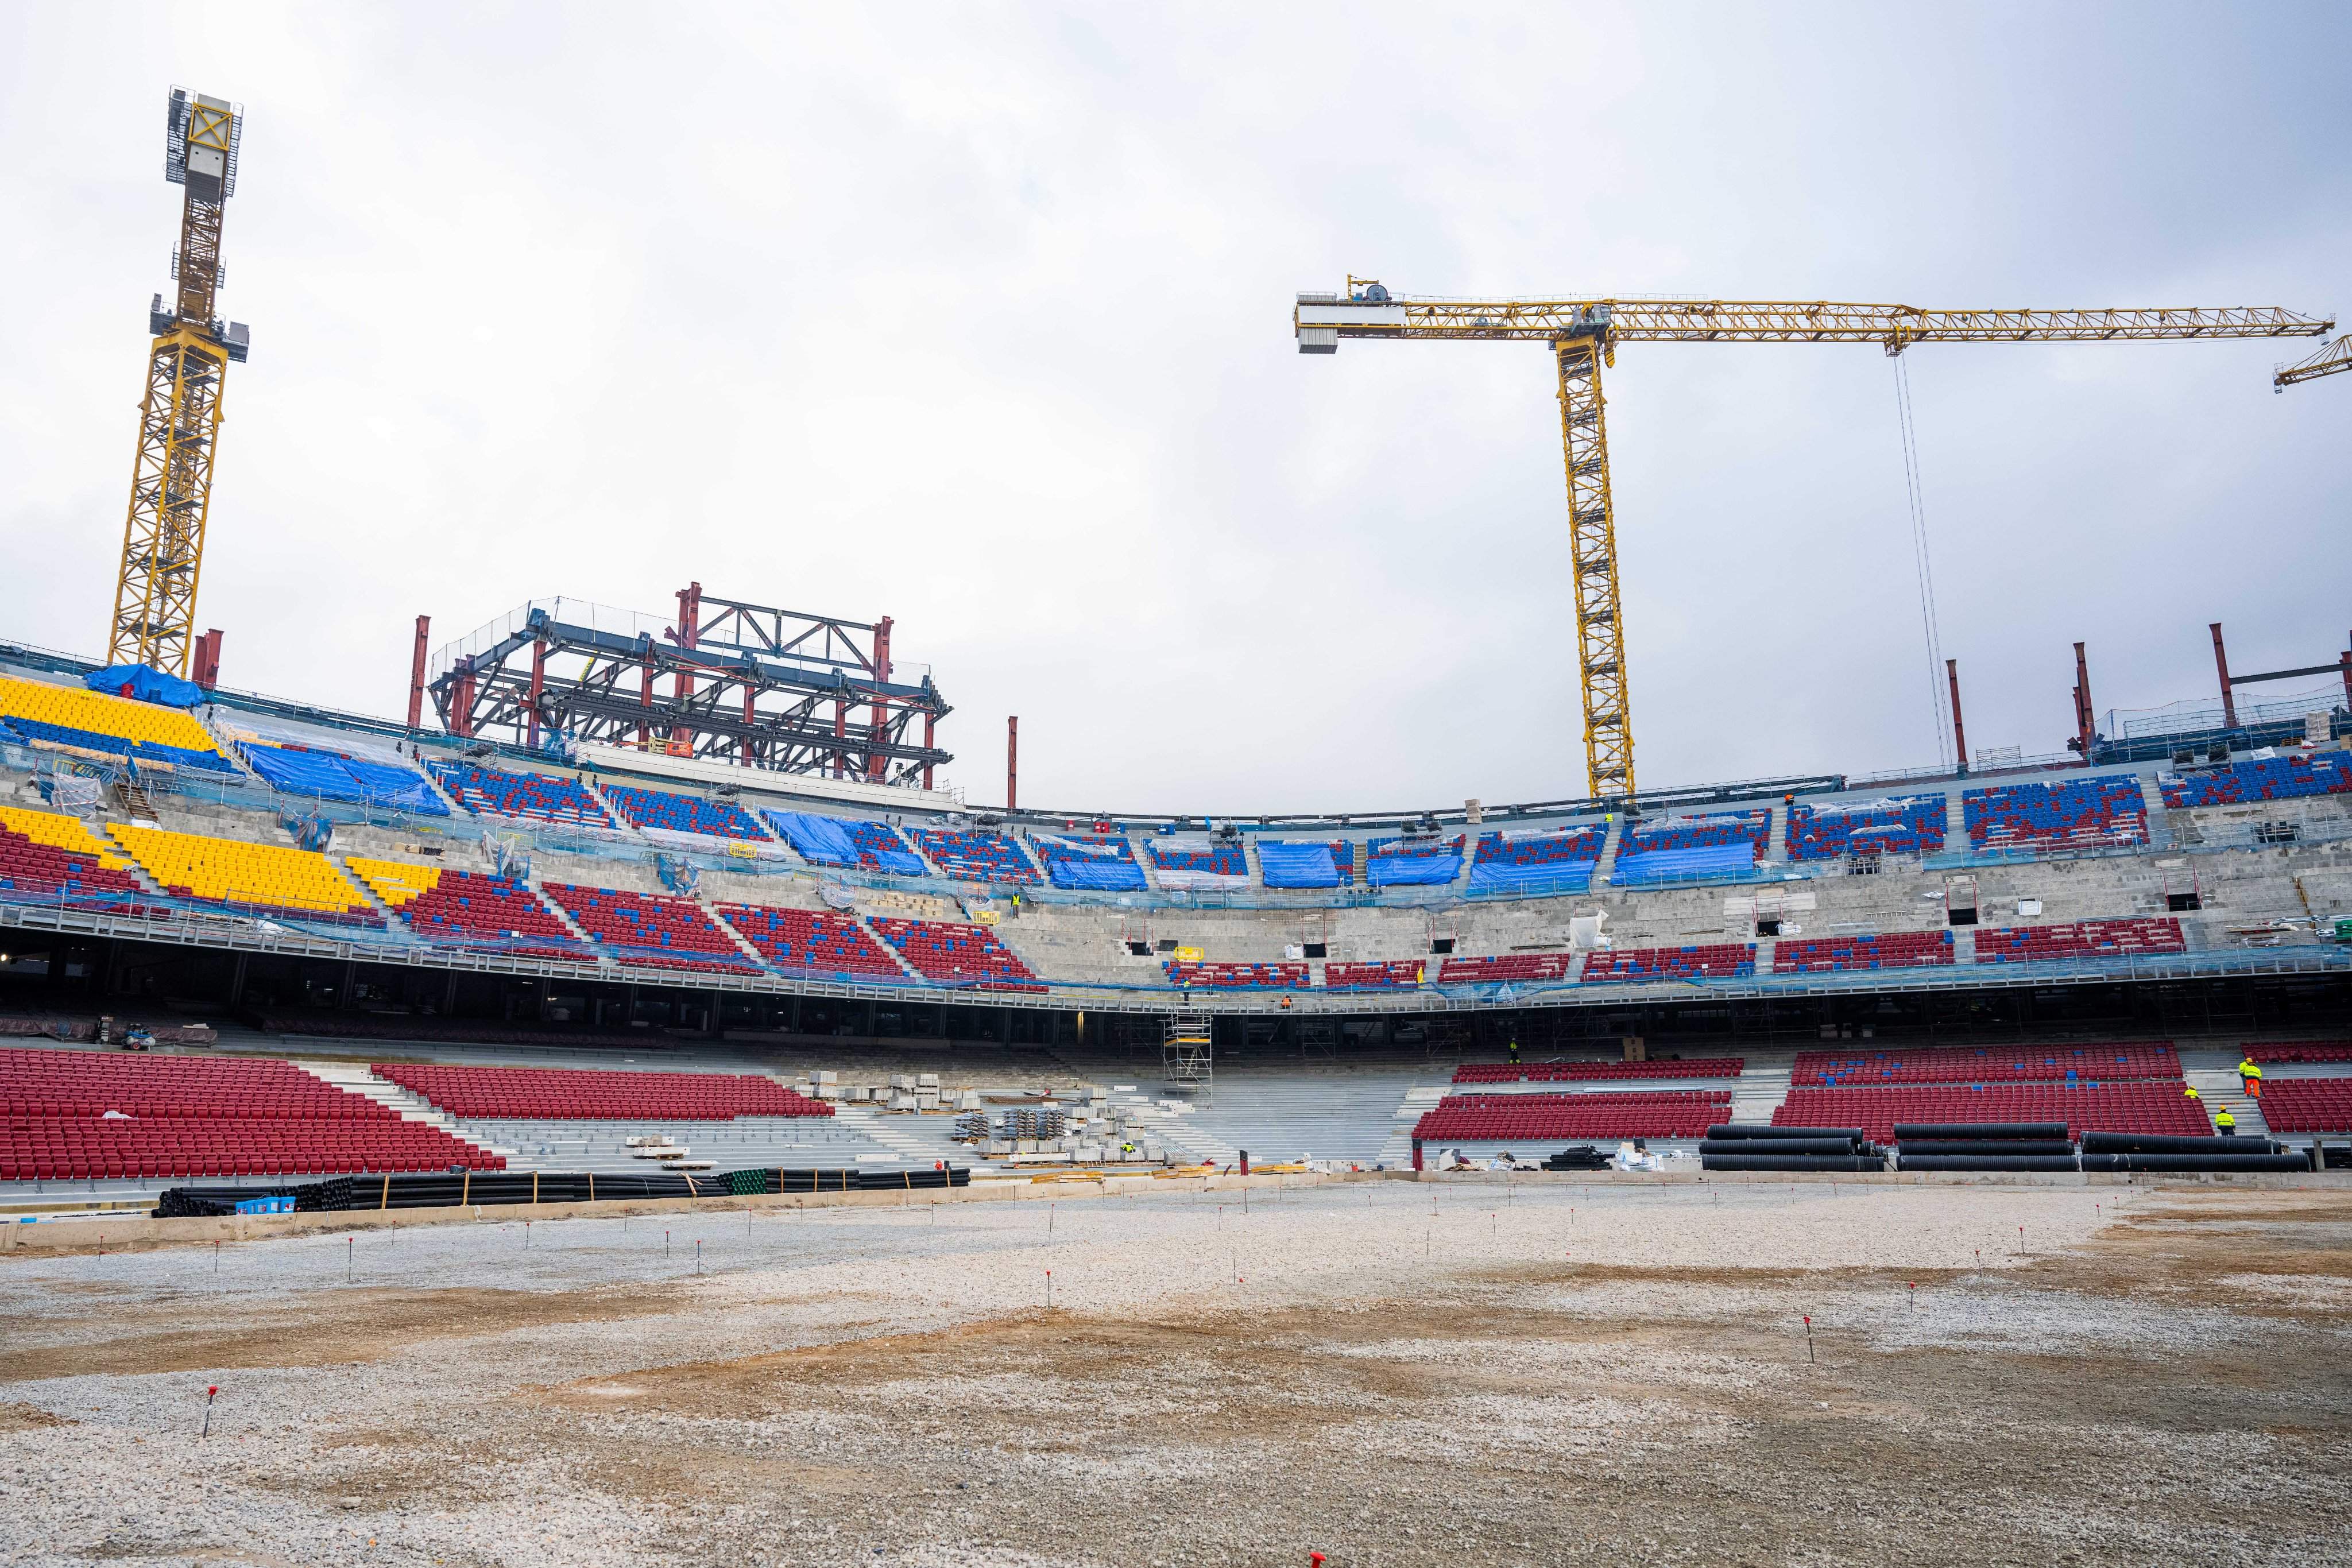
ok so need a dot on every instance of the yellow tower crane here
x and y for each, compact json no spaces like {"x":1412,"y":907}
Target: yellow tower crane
{"x":2335,"y":357}
{"x":179,"y":418}
{"x":1584,"y":333}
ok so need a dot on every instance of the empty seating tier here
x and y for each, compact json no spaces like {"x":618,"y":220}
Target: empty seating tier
{"x":1513,"y":1118}
{"x":1716,"y":961}
{"x":1989,"y":1065}
{"x":1221,"y":861}
{"x":847,"y":841}
{"x":2272,"y":778}
{"x":262,"y":879}
{"x":1910,"y":826}
{"x":1089,"y":862}
{"x":682,"y":813}
{"x":464,"y":909}
{"x":2308,"y":1104}
{"x":590,"y":1094}
{"x":2149,"y":1107}
{"x":958,"y":955}
{"x":1229,"y":976}
{"x":1894,"y":950}
{"x":2082,"y":814}
{"x":1598,"y":1072}
{"x":1302,"y":867}
{"x":1549,"y":860}
{"x":1693,"y":849}
{"x":1395,"y":974}
{"x":1413,"y":863}
{"x":807,"y":941}
{"x":2081,"y":939}
{"x":178,"y":1116}
{"x":51,"y":859}
{"x":2301,"y":1051}
{"x":975,"y":856}
{"x":1474,"y":970}
{"x":116,"y":727}
{"x":537,"y":797}
{"x":652,"y":929}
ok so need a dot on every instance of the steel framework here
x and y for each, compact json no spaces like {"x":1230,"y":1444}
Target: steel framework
{"x":2331,"y":359}
{"x":1584,"y":334}
{"x":725,"y":681}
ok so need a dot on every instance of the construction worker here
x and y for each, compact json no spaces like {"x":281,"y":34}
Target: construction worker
{"x":2191,"y":1092}
{"x":2251,"y":1075}
{"x":1514,"y":1049}
{"x":2225,"y":1124}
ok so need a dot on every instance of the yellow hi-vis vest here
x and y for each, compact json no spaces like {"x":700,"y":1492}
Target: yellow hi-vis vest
{"x":2247,"y":1069}
{"x":2225,"y":1120}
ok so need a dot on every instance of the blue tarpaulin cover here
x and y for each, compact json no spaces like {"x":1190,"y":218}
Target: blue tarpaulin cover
{"x":826,"y":840}
{"x":1297,"y":866}
{"x":324,"y":776}
{"x":147,"y":684}
{"x":1685,"y":865}
{"x":1412,"y":871}
{"x":1090,"y":864}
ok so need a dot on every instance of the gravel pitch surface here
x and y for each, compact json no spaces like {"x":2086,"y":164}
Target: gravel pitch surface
{"x":1386,"y":1372}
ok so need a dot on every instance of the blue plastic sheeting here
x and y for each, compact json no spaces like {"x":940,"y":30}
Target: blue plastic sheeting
{"x":147,"y":684}
{"x":1499,"y":880}
{"x":1683,"y":865}
{"x":826,"y":840}
{"x":1412,"y":871}
{"x":1297,"y":865}
{"x":1105,"y":875}
{"x":324,"y":776}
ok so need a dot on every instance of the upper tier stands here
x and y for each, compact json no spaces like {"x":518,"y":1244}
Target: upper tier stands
{"x":116,"y":727}
{"x":183,"y":1116}
{"x":2084,"y":938}
{"x":1912,"y":825}
{"x":1093,"y":863}
{"x":1513,"y":1118}
{"x":810,"y":941}
{"x":1284,"y":865}
{"x":537,"y":797}
{"x":1599,"y":1072}
{"x":1412,"y":863}
{"x":958,"y":955}
{"x":464,"y":909}
{"x":847,"y":841}
{"x":1714,"y":961}
{"x":1893,"y":950}
{"x":1466,"y":970}
{"x":1228,"y":975}
{"x":47,"y":858}
{"x":2301,"y":1051}
{"x":333,"y":776}
{"x":682,"y":813}
{"x":248,"y":878}
{"x":1547,"y":861}
{"x":1395,"y":974}
{"x":975,"y":856}
{"x":652,"y":929}
{"x":1989,"y":1065}
{"x":2080,"y":813}
{"x":2156,"y":1106}
{"x":1192,"y":862}
{"x":583,"y":1094}
{"x":1686,"y":849}
{"x":2307,"y":1105}
{"x":2271,"y":778}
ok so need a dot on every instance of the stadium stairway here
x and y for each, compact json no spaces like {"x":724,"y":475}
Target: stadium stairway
{"x":1397,"y":1152}
{"x":354,"y":1079}
{"x":1327,"y":1116}
{"x":563,"y":917}
{"x":393,"y":925}
{"x":1757,"y":1092}
{"x":751,"y":954}
{"x":1955,"y":822}
{"x":2221,"y":1089}
{"x":1140,"y":845}
{"x":918,"y":1141}
{"x":1607,"y":863}
{"x":1776,"y":843}
{"x":1175,"y":1130}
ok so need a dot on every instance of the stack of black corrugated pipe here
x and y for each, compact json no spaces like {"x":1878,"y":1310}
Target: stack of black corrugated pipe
{"x":1984,"y":1146}
{"x":1730,"y":1147}
{"x":2156,"y":1151}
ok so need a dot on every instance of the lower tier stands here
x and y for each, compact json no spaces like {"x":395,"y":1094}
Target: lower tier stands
{"x":976,"y":856}
{"x":2150,"y":1107}
{"x":1398,"y":974}
{"x":2308,"y":1104}
{"x":847,"y":841}
{"x":1512,"y":1118}
{"x":1228,"y":975}
{"x":584,"y":1094}
{"x":1989,"y":1065}
{"x":682,"y":813}
{"x":803,"y":941}
{"x":537,"y":797}
{"x":2301,"y":1051}
{"x":114,"y":726}
{"x":1598,"y":1072}
{"x":74,"y":1115}
{"x":1090,"y":864}
{"x":2081,"y":814}
{"x":1894,"y":950}
{"x":248,"y":878}
{"x":464,"y":909}
{"x":2081,"y":939}
{"x":652,"y":929}
{"x":47,"y":858}
{"x":2272,"y":778}
{"x":958,"y":955}
{"x":1912,"y":825}
{"x":1471,"y":971}
{"x":1716,"y":961}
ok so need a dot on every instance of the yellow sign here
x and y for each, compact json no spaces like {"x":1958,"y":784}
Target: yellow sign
{"x":1188,"y":955}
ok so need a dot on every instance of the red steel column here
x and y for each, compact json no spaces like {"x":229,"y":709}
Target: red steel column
{"x":931,"y":719}
{"x":690,"y":625}
{"x":1960,"y":735}
{"x":645,"y":699}
{"x":750,"y":718}
{"x":2221,"y":664}
{"x":416,"y":673}
{"x":461,"y":708}
{"x":840,"y":734}
{"x":538,"y":688}
{"x":2086,"y":727}
{"x":2345,"y":659}
{"x":875,"y":767}
{"x":1012,"y":763}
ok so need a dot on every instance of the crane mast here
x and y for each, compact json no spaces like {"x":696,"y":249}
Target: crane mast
{"x":1583,"y":334}
{"x":180,"y":414}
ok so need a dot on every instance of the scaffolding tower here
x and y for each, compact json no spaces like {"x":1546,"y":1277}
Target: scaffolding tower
{"x":1188,"y":1053}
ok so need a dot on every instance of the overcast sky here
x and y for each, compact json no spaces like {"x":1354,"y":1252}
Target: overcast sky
{"x":979,"y":317}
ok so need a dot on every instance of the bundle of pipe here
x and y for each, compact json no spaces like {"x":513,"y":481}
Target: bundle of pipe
{"x":1730,"y":1147}
{"x":1984,"y":1146}
{"x":2156,"y":1151}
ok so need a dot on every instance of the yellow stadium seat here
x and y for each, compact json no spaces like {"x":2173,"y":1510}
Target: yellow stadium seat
{"x":397,"y":883}
{"x":233,"y":871}
{"x":62,"y":832}
{"x":72,"y":707}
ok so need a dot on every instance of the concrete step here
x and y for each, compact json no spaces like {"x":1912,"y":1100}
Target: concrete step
{"x":354,"y":1079}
